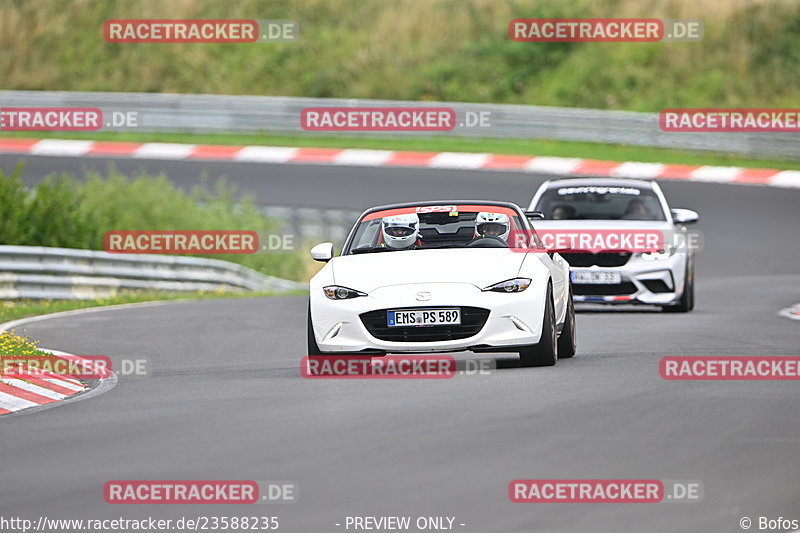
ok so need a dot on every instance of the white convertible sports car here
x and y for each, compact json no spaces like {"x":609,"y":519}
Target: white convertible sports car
{"x":601,"y":208}
{"x":441,"y":277}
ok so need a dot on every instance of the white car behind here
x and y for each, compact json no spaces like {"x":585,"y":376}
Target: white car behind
{"x":663,"y":277}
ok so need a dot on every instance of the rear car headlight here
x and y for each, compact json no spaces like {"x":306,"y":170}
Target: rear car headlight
{"x":335,"y":292}
{"x":664,"y":253}
{"x":510,"y":285}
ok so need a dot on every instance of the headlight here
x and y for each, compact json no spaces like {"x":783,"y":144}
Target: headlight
{"x":335,"y":292}
{"x":664,"y":253}
{"x":510,"y":285}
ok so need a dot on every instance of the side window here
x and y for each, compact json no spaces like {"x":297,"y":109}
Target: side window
{"x":536,"y":240}
{"x":532,"y":239}
{"x":366,"y":235}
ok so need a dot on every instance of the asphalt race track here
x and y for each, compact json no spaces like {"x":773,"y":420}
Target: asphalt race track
{"x":225,"y":399}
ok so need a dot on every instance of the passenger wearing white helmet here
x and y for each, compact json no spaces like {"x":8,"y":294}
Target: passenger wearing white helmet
{"x":492,"y":225}
{"x":400,"y":232}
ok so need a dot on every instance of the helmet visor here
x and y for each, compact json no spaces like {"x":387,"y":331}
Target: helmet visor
{"x":399,"y":231}
{"x":492,"y":229}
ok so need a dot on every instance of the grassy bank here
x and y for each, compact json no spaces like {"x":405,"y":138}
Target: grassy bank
{"x":456,"y":50}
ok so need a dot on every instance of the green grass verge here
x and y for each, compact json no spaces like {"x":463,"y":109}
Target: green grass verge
{"x":531,"y":147}
{"x":18,"y":345}
{"x":13,"y":310}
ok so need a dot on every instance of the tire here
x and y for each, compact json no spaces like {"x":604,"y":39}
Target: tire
{"x":317,"y":356}
{"x":314,"y":353}
{"x":544,"y":352}
{"x":568,"y":340}
{"x":313,"y":349}
{"x":686,"y":303}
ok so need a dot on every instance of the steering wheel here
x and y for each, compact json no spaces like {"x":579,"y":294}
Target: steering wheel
{"x":488,"y":242}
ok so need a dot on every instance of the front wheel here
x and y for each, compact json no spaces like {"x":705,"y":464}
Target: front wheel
{"x":313,"y":348}
{"x":544,"y":352}
{"x":686,"y":303}
{"x":568,"y":340}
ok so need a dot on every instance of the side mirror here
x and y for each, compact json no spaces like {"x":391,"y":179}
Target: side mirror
{"x":684,"y":216}
{"x":322,"y":252}
{"x":534,"y":214}
{"x":553,"y":251}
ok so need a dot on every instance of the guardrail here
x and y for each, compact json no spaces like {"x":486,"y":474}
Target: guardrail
{"x":311,"y":225}
{"x":36,"y":272}
{"x":194,"y":113}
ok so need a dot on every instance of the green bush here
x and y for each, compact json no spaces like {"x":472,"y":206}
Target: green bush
{"x":65,"y":212}
{"x":12,"y":207}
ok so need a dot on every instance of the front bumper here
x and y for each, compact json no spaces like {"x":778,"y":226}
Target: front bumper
{"x":659,"y":282}
{"x":515,"y":319}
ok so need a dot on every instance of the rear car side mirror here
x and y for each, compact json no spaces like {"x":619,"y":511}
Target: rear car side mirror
{"x":684,"y":216}
{"x":534,"y":214}
{"x":322,"y":252}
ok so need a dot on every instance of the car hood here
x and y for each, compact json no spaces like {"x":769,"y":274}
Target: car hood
{"x":603,"y":224}
{"x":550,"y":230}
{"x":480,"y":267}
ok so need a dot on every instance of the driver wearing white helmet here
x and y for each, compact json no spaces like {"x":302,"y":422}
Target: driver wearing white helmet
{"x":492,"y":225}
{"x":400,"y":232}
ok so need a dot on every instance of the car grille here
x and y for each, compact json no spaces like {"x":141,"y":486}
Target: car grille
{"x":606,"y":289}
{"x":602,"y":259}
{"x":472,"y":320}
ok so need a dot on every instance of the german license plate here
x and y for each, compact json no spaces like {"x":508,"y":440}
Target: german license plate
{"x":423,"y":317}
{"x":595,"y":277}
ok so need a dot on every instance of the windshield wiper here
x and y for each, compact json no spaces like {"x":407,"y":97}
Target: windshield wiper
{"x":369,"y":250}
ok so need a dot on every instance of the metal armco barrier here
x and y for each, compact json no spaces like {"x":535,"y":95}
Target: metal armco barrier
{"x":62,"y":273}
{"x":196,"y":113}
{"x":311,"y":225}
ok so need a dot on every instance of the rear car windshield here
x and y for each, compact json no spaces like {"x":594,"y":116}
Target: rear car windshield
{"x":600,"y":203}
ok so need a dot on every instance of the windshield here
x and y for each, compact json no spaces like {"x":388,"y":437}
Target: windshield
{"x":434,"y":227}
{"x":600,"y":203}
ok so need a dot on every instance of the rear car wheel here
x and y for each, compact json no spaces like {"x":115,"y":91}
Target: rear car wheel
{"x":568,"y":340}
{"x":544,"y":352}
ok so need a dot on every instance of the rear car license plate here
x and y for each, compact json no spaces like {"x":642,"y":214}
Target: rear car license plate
{"x":423,"y":317}
{"x":595,"y":277}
